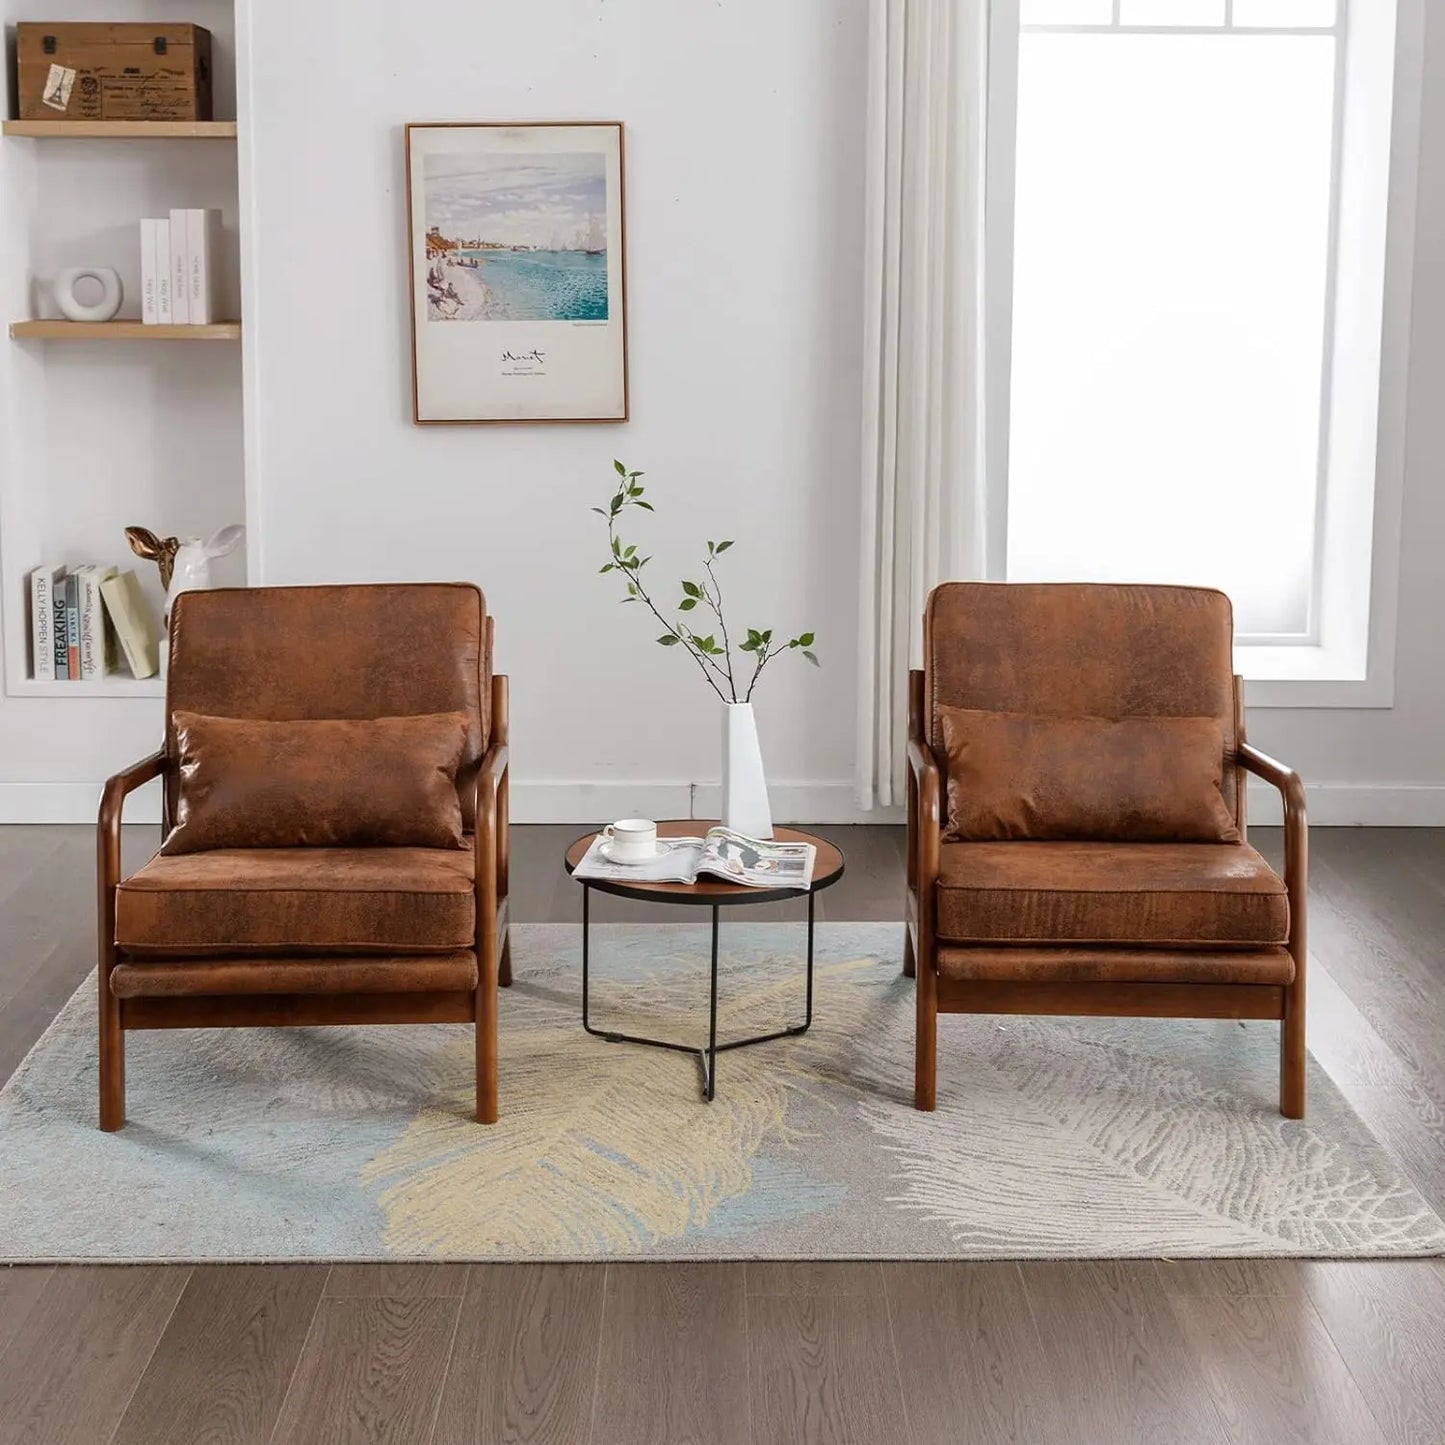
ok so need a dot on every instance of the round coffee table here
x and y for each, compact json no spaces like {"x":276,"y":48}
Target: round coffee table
{"x":714,"y":893}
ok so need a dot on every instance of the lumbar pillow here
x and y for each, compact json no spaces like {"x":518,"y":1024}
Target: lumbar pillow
{"x":342,"y":783}
{"x":1131,"y":779}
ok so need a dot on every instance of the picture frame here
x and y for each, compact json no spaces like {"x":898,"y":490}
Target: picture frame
{"x":517,"y":271}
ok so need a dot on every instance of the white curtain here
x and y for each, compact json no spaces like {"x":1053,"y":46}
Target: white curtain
{"x":923,"y":453}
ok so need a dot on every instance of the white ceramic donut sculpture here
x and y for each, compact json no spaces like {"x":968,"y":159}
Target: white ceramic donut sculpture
{"x":76,"y":310}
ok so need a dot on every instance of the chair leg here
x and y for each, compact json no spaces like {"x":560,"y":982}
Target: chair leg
{"x":1292,"y":1054}
{"x":112,"y":1059}
{"x":504,"y":965}
{"x":910,"y":966}
{"x":925,"y":1061}
{"x":487,"y":1037}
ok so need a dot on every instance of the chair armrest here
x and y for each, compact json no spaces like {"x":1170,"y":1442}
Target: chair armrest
{"x":107,"y":832}
{"x":1296,"y":830}
{"x":1289,"y":782}
{"x":489,"y":850}
{"x":113,"y":796}
{"x":924,"y":799}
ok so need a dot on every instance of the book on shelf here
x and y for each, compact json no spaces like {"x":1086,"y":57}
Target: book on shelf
{"x":202,"y":245}
{"x":180,"y":271}
{"x":60,"y":629}
{"x":97,"y":649}
{"x":132,"y":620}
{"x":42,"y":621}
{"x":149,"y":260}
{"x":72,"y":626}
{"x":165,"y":315}
{"x":720,"y":852}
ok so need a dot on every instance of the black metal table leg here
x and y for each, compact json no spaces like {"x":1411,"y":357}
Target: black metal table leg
{"x":707,"y":1057}
{"x":709,"y":1081}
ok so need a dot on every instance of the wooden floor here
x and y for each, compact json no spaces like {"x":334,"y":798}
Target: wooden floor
{"x":876,"y":1353}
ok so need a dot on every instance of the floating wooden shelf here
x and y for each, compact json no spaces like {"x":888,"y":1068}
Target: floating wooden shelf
{"x":124,"y":129}
{"x":121,"y":685}
{"x":122,"y":331}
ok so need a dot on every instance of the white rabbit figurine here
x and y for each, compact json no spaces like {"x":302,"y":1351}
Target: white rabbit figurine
{"x":185,"y":563}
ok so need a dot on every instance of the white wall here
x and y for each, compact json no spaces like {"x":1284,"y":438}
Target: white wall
{"x":744,"y":133}
{"x":744,"y":212}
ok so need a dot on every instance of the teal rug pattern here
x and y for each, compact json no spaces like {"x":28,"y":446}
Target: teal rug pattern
{"x":1054,"y":1138}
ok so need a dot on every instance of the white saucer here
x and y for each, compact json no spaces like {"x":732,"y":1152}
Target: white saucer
{"x":663,"y":849}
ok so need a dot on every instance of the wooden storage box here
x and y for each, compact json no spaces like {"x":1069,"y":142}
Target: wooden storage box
{"x":81,"y":71}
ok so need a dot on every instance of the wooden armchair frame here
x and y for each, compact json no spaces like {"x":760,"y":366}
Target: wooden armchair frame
{"x":248,"y":1010}
{"x":936,"y":995}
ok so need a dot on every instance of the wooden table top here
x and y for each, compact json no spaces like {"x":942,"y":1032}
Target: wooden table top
{"x":827,"y":870}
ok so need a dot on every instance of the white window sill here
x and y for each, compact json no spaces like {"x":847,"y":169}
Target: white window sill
{"x":1291,"y":676}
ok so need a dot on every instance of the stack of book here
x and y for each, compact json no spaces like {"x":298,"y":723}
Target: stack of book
{"x":83,"y":619}
{"x":177,"y":268}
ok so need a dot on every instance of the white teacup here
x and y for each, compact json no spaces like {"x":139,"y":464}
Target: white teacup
{"x":631,"y":840}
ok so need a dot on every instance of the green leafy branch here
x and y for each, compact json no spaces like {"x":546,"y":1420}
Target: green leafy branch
{"x":714,"y":658}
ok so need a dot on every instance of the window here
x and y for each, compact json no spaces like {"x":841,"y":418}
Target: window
{"x":1198,"y":241}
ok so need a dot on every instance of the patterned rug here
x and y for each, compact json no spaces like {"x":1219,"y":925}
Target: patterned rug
{"x":1053,"y":1138}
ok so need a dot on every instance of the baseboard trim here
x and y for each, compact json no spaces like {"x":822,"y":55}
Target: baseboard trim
{"x":1356,"y":805}
{"x":1331,"y":805}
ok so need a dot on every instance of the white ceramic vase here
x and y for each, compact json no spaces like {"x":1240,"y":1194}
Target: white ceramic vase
{"x":744,"y":788}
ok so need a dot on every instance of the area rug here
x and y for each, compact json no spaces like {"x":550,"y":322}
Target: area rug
{"x":1052,"y":1139}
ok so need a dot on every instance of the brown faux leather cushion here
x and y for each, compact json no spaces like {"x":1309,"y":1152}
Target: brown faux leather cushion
{"x":365,"y":650}
{"x":1083,"y":649}
{"x":334,"y":783}
{"x":1174,"y":894}
{"x":1131,"y":779}
{"x":1003,"y":964}
{"x":296,"y":900}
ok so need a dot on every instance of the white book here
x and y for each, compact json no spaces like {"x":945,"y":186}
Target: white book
{"x":42,"y":622}
{"x":148,"y":295}
{"x":180,"y":269}
{"x":164,"y":311}
{"x":202,"y":244}
{"x":96,"y":653}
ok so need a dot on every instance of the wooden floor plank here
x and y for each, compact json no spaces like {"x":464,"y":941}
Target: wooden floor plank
{"x":791,"y":1278}
{"x":1387,"y":1320}
{"x":1119,"y":1368}
{"x":523,"y":1363}
{"x":69,"y":1373}
{"x":1284,"y":1277}
{"x":229,"y":1353}
{"x":1273,"y":1371}
{"x":371,"y":1370}
{"x":818,"y":1374}
{"x":969,"y":1356}
{"x":21,"y":1286}
{"x":674,"y":1362}
{"x":396,"y":1281}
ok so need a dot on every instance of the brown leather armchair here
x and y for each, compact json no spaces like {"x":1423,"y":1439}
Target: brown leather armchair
{"x":1075,"y":926}
{"x":241,"y":937}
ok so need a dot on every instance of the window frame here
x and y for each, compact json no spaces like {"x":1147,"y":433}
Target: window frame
{"x":1348,"y":658}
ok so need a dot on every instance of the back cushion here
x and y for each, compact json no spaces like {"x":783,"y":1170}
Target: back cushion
{"x":388,"y":782}
{"x":353,"y":651}
{"x":1083,"y":650}
{"x":1135,"y":779}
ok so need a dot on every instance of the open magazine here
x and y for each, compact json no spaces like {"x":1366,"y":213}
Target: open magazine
{"x":722,"y":853}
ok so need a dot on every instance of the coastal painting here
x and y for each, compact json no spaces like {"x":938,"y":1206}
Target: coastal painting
{"x":517,"y":272}
{"x":516,"y":238}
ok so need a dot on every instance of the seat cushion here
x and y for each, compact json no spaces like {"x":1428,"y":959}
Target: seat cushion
{"x":289,"y":900}
{"x":1175,"y":894}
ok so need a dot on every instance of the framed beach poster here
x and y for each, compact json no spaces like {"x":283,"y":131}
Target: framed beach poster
{"x":518,"y":282}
